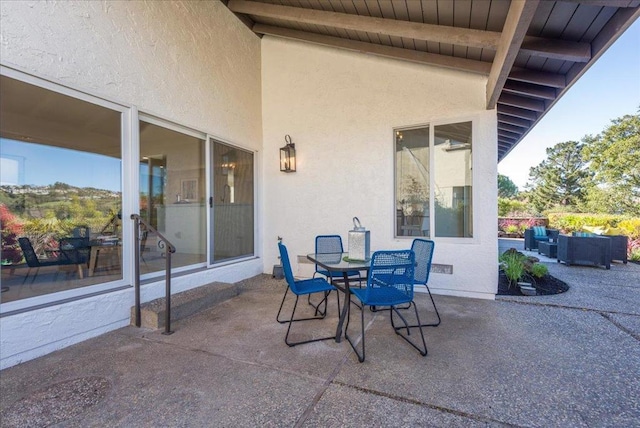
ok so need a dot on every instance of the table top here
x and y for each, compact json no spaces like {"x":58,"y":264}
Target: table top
{"x":336,"y":262}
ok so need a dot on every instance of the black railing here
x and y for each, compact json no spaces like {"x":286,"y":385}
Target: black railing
{"x":169,"y":249}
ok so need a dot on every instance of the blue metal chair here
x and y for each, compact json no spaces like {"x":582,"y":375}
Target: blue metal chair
{"x":423,"y":249}
{"x":300,"y":288}
{"x":390,"y":283}
{"x":331,"y":244}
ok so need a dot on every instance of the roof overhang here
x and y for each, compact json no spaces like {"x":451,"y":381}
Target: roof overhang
{"x":531,"y":51}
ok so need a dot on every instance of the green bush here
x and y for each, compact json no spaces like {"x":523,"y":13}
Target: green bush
{"x":512,"y":263}
{"x":539,"y":270}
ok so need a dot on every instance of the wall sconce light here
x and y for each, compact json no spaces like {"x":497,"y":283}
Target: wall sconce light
{"x":288,"y":156}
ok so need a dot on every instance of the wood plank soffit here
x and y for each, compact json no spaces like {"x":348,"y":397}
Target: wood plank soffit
{"x":454,"y":63}
{"x":412,"y":30}
{"x":515,"y":29}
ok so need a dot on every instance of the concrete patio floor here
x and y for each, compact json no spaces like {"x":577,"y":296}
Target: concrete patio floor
{"x":564,"y":360}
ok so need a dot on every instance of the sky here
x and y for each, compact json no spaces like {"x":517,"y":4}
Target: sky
{"x":608,"y":90}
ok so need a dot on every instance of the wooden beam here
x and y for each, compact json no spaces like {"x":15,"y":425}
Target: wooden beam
{"x":411,"y":30}
{"x":609,"y":3}
{"x":507,"y":134}
{"x":463,"y":64}
{"x":517,"y":112}
{"x":511,"y":120}
{"x":563,"y":50}
{"x":530,"y":90}
{"x":522,"y":102}
{"x":538,"y":77}
{"x":511,"y":128}
{"x":515,"y":29}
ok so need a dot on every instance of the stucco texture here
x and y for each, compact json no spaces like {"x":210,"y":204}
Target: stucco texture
{"x":194,"y":63}
{"x":340,"y":109}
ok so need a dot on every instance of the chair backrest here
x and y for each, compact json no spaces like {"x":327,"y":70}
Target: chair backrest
{"x":423,"y":248}
{"x":328,"y":244}
{"x":81,"y":232}
{"x":74,"y":250}
{"x":28,"y":252}
{"x":286,"y":267}
{"x":393,"y":268}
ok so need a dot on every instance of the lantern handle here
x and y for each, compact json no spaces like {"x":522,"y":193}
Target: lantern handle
{"x":358,"y":225}
{"x":287,"y":139}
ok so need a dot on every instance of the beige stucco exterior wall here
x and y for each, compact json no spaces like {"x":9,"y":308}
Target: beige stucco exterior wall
{"x":193,"y":63}
{"x":340,"y":109}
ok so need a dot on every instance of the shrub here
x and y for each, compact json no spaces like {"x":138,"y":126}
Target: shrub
{"x":539,"y":270}
{"x":512,"y":263}
{"x":633,"y":250}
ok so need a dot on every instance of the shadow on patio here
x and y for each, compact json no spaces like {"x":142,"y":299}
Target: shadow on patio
{"x":563,"y":360}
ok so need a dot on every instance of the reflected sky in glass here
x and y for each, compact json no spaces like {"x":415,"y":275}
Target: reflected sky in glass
{"x":41,"y":165}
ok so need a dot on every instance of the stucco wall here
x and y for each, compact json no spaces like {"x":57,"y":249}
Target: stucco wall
{"x":340,"y":109}
{"x":193,"y":63}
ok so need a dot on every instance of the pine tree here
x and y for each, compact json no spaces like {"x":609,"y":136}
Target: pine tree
{"x":561,"y":179}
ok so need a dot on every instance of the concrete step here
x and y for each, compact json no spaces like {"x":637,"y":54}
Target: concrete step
{"x":184,"y":304}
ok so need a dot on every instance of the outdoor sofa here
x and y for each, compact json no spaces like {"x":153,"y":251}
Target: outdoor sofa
{"x":535,"y":234}
{"x":584,"y":250}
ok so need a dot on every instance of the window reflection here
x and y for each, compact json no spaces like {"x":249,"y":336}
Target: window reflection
{"x":60,"y":191}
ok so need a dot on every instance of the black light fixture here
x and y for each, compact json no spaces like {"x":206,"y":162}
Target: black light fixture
{"x":288,"y":156}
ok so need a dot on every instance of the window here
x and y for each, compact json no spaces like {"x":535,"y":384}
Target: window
{"x":433,"y":176}
{"x":172,"y":195}
{"x":60,"y":191}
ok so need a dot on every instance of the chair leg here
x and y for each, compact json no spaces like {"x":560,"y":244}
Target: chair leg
{"x":398,"y":330}
{"x":317,"y":317}
{"x":291,"y":320}
{"x":346,"y":332}
{"x":435,"y":324}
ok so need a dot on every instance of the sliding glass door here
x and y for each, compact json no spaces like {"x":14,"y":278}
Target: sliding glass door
{"x":172,"y":194}
{"x":232,"y":203}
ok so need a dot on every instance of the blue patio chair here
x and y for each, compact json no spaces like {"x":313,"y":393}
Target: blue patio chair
{"x":423,"y":249}
{"x":331,"y":244}
{"x":300,"y":288}
{"x":390,"y":283}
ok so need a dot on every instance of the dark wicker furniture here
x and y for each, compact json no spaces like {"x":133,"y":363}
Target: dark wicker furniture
{"x":549,"y":249}
{"x":619,"y":245}
{"x":531,"y":240}
{"x":584,"y":250}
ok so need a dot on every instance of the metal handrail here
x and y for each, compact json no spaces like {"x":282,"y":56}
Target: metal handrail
{"x":163,"y":244}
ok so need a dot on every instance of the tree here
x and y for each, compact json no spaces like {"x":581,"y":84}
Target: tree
{"x":561,"y":179}
{"x":615,"y":163}
{"x":506,"y":187}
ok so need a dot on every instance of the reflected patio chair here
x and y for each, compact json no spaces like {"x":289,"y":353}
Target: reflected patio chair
{"x":33,"y":261}
{"x":75,"y":251}
{"x":300,"y":288}
{"x":81,"y":232}
{"x":390,"y":283}
{"x":331,"y":244}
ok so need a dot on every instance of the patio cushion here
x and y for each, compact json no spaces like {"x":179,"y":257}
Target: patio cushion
{"x":539,"y":231}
